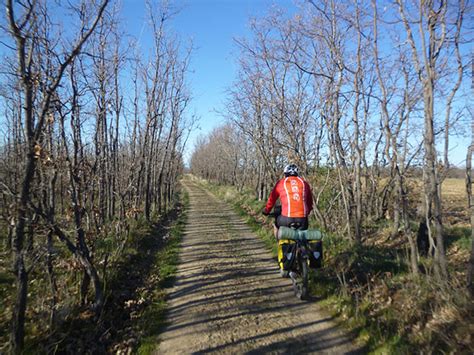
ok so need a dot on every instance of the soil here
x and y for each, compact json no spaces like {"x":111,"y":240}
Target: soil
{"x":229,"y":297}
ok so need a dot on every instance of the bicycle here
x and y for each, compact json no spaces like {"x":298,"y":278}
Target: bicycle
{"x":299,"y":256}
{"x":305,"y":255}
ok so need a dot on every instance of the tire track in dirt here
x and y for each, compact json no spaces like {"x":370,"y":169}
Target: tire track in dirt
{"x":229,"y":297}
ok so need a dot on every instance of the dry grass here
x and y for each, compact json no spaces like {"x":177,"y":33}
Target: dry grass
{"x":455,"y":202}
{"x":454,"y":188}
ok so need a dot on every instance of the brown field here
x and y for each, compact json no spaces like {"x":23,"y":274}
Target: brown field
{"x":454,"y":188}
{"x":455,"y":201}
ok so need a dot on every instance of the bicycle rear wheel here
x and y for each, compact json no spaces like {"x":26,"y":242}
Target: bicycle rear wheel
{"x":304,"y":280}
{"x":300,"y":284}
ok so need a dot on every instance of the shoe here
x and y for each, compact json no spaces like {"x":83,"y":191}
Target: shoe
{"x":283,"y":273}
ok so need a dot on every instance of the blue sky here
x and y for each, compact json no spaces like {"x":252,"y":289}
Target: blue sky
{"x":211,"y":25}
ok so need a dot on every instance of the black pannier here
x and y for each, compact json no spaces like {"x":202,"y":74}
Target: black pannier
{"x":316,"y":254}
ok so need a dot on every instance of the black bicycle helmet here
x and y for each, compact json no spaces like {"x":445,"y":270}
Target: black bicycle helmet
{"x":291,"y":170}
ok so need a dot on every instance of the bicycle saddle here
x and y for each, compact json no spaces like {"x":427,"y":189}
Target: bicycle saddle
{"x":295,"y":225}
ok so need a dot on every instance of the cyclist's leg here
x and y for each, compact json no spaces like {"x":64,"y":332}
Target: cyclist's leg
{"x":276,"y":225}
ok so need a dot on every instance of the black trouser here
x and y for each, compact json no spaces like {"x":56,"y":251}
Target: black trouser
{"x":283,"y":221}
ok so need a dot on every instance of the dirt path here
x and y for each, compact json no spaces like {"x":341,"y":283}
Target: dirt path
{"x":229,"y":297}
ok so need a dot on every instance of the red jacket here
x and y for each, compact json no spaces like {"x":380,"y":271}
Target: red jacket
{"x":295,"y":196}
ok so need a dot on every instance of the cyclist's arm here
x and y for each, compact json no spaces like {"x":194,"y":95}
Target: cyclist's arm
{"x":272,"y":199}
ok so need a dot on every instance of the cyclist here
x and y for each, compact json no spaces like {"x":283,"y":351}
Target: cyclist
{"x":296,"y":201}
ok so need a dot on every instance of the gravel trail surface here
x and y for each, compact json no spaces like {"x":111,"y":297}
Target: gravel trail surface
{"x":229,"y":297}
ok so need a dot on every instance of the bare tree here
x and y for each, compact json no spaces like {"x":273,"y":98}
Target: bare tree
{"x":25,"y":31}
{"x":433,"y":33}
{"x":323,"y":71}
{"x":393,"y":152}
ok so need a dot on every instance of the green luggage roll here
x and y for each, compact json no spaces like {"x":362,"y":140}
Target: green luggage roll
{"x":295,"y":234}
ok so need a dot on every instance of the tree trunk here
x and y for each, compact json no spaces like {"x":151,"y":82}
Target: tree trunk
{"x":431,"y":188}
{"x":470,"y":267}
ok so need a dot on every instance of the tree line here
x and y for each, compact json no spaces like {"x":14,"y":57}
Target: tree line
{"x":359,"y":95}
{"x":93,"y":132}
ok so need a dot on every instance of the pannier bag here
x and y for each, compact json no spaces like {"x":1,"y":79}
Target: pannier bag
{"x":313,"y":238}
{"x":316,"y":254}
{"x":286,"y":253}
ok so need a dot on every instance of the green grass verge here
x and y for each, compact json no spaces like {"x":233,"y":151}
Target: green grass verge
{"x":7,"y":283}
{"x":123,"y":251}
{"x":459,"y":237}
{"x":153,"y":319}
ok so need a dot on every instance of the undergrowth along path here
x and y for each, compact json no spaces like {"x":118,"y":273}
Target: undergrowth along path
{"x":229,"y":297}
